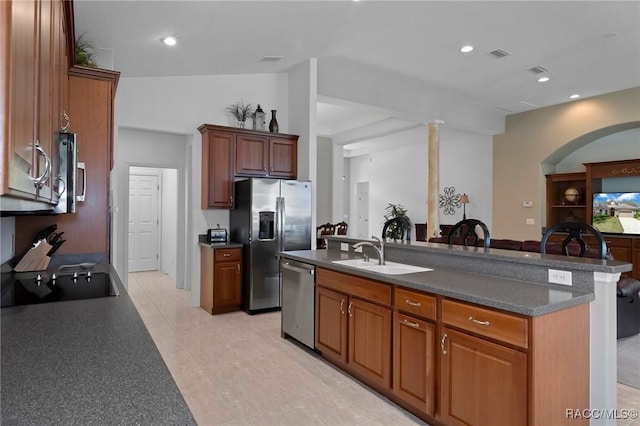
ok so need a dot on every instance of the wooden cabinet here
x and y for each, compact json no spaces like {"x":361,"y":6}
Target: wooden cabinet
{"x":414,"y":349}
{"x":453,"y":362}
{"x":483,"y":382}
{"x":559,"y":209}
{"x":220,"y":279}
{"x":229,"y":152}
{"x":353,"y":325}
{"x":91,"y":97}
{"x":31,"y":57}
{"x":592,"y":181}
{"x":635,"y":273}
{"x":266,"y":156}
{"x":217,"y":168}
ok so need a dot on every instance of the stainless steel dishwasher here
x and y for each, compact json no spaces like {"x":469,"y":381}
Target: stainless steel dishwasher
{"x":298,"y":301}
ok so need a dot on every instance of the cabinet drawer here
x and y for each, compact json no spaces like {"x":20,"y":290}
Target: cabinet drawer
{"x":227,"y":255}
{"x":498,"y":325}
{"x":372,"y":291}
{"x":418,"y":304}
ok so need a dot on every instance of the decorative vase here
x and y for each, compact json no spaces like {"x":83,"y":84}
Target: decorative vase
{"x":273,"y":124}
{"x":240,"y":124}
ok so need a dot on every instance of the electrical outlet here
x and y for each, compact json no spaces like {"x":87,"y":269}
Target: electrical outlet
{"x":559,"y":277}
{"x":531,"y":221}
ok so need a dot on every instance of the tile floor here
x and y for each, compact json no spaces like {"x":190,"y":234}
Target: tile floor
{"x":235,"y":370}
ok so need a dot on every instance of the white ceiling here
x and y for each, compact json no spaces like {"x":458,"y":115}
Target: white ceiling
{"x":588,"y":47}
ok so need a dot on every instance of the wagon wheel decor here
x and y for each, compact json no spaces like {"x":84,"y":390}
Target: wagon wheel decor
{"x":449,"y":201}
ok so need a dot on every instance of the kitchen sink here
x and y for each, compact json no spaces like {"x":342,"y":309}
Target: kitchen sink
{"x":389,"y":268}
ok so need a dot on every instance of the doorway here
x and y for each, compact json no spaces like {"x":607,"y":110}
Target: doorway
{"x":153,"y":219}
{"x":362,"y":209}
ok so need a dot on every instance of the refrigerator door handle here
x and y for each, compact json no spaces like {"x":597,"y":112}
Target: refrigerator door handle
{"x":280,"y":224}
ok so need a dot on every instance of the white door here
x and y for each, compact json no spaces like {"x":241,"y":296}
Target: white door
{"x":143,"y":223}
{"x":362,"y":209}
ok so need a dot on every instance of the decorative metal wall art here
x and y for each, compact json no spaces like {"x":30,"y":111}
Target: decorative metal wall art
{"x":450,"y":201}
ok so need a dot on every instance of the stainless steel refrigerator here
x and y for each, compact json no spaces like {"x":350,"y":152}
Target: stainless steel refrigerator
{"x":271,"y":215}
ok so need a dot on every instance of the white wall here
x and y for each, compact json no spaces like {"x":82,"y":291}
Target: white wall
{"x":399,"y":176}
{"x":618,"y":146}
{"x":324,"y":181}
{"x":7,"y":234}
{"x":179,"y":105}
{"x":169,"y":223}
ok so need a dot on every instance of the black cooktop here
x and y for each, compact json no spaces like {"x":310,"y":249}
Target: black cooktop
{"x":29,"y":288}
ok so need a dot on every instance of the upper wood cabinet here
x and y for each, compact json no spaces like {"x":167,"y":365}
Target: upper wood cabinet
{"x":34,"y":61}
{"x":229,"y":152}
{"x":91,"y":98}
{"x":267,"y":156}
{"x":218,"y":147}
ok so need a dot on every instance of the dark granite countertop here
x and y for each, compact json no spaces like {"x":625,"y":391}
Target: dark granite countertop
{"x":532,"y":299}
{"x":85,"y":362}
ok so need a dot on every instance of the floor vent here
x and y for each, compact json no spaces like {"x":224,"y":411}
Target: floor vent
{"x":499,"y":53}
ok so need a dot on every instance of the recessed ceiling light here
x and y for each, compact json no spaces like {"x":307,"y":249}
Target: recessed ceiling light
{"x":574,"y":96}
{"x":169,"y":41}
{"x":466,"y":49}
{"x":543,"y":79}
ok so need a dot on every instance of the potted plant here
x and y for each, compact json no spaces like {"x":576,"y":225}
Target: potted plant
{"x":396,"y":223}
{"x":241,"y":112}
{"x":84,"y":54}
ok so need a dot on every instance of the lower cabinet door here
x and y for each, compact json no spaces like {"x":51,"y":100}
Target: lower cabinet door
{"x":482,"y":383}
{"x":370,"y":341}
{"x":413,"y":362}
{"x":331,"y":324}
{"x":227,"y":285}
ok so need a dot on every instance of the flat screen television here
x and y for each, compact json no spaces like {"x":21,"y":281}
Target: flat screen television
{"x":616,"y":212}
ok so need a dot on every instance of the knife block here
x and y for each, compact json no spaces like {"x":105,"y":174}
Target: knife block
{"x":35,"y":259}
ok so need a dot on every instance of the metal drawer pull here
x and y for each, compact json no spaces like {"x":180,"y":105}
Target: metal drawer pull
{"x":226,"y":254}
{"x":67,"y":123}
{"x":40,"y":180}
{"x":475,"y":321}
{"x":442,"y":342}
{"x":349,"y":309}
{"x":342,"y":307}
{"x":411,"y":324}
{"x":410,"y":303}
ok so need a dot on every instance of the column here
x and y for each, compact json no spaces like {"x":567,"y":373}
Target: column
{"x":433,"y":181}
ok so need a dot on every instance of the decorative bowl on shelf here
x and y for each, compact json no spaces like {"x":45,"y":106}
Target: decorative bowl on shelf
{"x":572,"y":195}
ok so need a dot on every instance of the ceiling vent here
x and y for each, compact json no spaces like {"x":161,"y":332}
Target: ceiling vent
{"x":538,"y":70}
{"x":499,"y":53}
{"x":271,"y":58}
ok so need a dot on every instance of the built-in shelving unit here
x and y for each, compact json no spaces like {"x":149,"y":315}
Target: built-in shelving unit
{"x":625,"y":248}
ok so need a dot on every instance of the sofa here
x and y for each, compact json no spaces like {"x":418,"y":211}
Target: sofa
{"x":628,"y":289}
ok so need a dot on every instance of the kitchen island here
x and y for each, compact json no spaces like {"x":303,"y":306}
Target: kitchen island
{"x":85,"y":362}
{"x":479,"y":312}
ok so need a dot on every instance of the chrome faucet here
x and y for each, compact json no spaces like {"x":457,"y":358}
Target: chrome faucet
{"x":379,"y":250}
